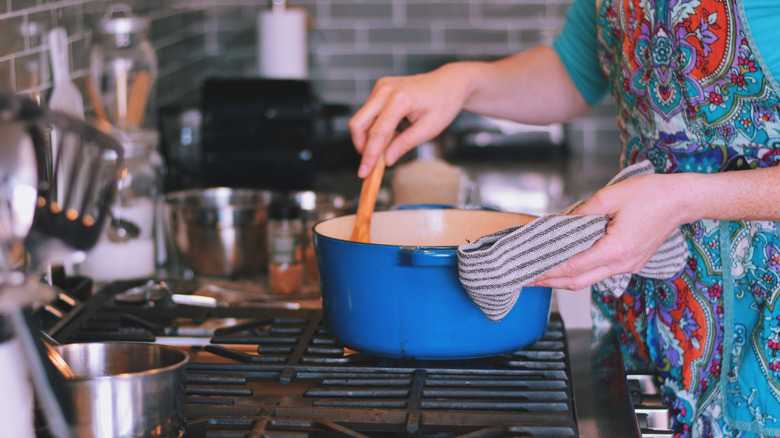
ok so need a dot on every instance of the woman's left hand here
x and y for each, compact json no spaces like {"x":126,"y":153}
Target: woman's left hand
{"x":644,"y":211}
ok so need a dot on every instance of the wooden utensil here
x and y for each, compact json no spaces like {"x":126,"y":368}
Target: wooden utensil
{"x":136,"y":103}
{"x":362,"y":230}
{"x":368,"y":192}
{"x":97,"y":105}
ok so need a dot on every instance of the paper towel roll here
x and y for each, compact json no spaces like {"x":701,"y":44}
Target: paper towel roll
{"x":282,"y":44}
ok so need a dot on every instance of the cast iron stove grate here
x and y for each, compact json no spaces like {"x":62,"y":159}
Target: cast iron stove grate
{"x":279,"y":373}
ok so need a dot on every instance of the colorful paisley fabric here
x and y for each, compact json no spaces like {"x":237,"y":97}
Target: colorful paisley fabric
{"x":692,"y":96}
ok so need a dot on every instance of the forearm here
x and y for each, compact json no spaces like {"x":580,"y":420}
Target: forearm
{"x":737,"y":195}
{"x":531,"y":87}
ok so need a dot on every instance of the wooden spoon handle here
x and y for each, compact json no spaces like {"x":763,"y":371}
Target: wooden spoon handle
{"x":362,"y":230}
{"x":368,"y":193}
{"x":97,"y":105}
{"x":139,"y":93}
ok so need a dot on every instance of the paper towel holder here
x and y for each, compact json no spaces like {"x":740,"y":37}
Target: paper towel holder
{"x":278,"y":5}
{"x":282,"y":42}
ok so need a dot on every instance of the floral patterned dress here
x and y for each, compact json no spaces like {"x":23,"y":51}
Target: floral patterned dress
{"x":693,"y":95}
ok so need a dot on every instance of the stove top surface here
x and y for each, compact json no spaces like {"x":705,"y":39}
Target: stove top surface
{"x":276,"y":371}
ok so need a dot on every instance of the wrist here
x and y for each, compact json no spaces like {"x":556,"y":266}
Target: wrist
{"x":692,"y":196}
{"x":474,"y":75}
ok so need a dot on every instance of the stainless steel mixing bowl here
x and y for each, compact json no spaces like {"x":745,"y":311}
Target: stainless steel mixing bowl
{"x":220,"y":231}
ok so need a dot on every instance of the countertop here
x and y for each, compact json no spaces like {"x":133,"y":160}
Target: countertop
{"x":537,"y":186}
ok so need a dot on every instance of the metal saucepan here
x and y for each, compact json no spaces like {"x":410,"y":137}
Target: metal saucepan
{"x":400,"y":296}
{"x":126,"y":389}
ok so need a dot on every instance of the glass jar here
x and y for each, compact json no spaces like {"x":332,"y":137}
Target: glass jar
{"x":123,"y":69}
{"x":127,"y":249}
{"x":285,"y":253}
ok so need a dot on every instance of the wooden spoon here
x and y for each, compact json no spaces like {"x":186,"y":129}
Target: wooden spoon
{"x":368,"y":192}
{"x":362,"y":230}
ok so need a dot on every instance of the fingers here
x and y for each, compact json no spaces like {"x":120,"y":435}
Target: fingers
{"x":383,"y":136}
{"x":428,"y":103}
{"x":361,"y":122}
{"x":375,"y":126}
{"x":602,"y":260}
{"x":375,"y":122}
{"x":560,"y":278}
{"x":382,"y":131}
{"x":640,"y":222}
{"x":408,"y":136}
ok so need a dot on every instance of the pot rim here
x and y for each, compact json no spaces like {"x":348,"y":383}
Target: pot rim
{"x":131,"y":375}
{"x":309,"y":200}
{"x":254,"y":197}
{"x":402,"y":211}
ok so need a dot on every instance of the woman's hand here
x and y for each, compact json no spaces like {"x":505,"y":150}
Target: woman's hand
{"x":429,"y":101}
{"x":530,"y":87}
{"x":644,"y":211}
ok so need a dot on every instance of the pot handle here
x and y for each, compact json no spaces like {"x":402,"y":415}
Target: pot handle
{"x":417,"y":256}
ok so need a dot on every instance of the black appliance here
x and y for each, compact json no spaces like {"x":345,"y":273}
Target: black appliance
{"x":475,"y":137}
{"x":264,"y":133}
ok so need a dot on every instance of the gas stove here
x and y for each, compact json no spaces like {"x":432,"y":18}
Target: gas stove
{"x":272,"y":369}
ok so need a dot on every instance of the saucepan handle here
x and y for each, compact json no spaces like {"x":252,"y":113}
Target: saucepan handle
{"x":419,"y":256}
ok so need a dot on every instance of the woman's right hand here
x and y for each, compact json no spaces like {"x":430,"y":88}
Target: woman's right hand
{"x":530,"y":87}
{"x":430,"y":102}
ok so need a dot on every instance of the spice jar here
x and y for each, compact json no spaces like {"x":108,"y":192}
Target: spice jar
{"x":123,"y":68}
{"x":317,"y":206}
{"x":285,"y":255}
{"x":127,"y":248}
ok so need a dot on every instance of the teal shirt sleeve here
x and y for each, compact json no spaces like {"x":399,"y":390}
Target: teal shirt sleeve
{"x":763,"y":18}
{"x":577,"y":46}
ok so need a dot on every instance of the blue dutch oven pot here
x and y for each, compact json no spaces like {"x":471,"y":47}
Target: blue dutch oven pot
{"x":400,"y":296}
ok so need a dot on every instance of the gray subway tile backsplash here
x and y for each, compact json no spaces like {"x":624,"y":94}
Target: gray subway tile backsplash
{"x":400,"y":35}
{"x":375,"y":11}
{"x":12,"y":36}
{"x":18,"y":5}
{"x":325,"y":37}
{"x":470,"y":37}
{"x":352,"y":43}
{"x":514,"y":10}
{"x":437,"y":11}
{"x":6,"y":78}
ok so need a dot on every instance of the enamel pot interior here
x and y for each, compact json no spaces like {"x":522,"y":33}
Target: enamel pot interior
{"x":400,"y":295}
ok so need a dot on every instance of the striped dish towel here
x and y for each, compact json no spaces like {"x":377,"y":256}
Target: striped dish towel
{"x":495,"y":267}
